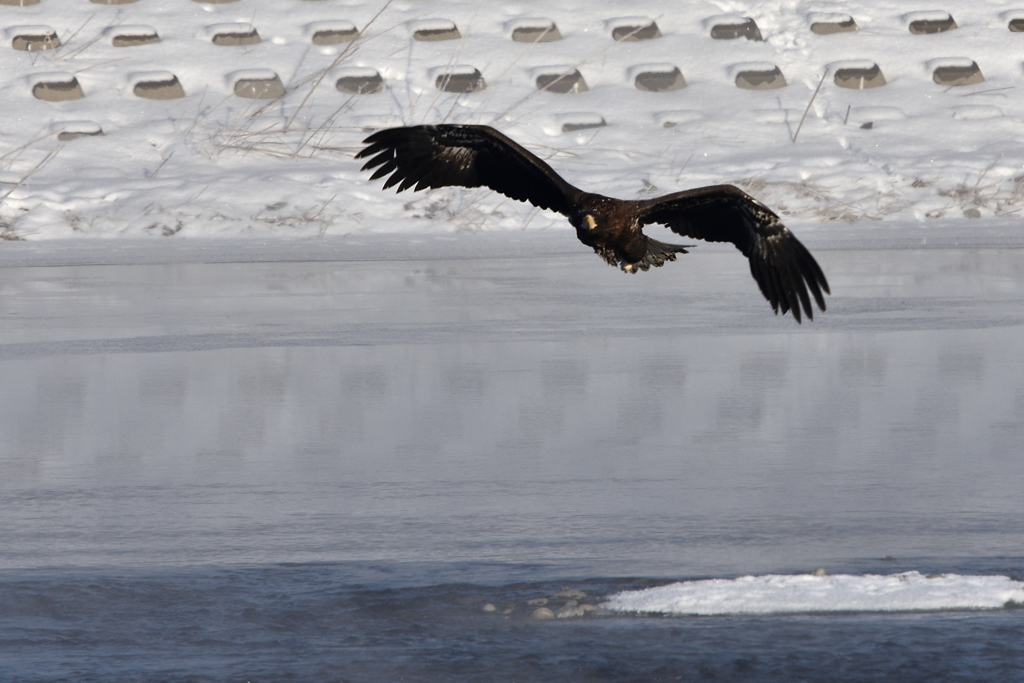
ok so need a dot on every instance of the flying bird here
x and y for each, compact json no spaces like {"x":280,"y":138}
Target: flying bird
{"x":421,"y":157}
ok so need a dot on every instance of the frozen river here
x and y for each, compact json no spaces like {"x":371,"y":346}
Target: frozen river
{"x":498,"y":410}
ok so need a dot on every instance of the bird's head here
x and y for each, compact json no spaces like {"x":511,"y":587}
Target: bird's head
{"x":585,"y":222}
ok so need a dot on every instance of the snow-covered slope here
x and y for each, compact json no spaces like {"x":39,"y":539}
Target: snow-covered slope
{"x":202,"y":160}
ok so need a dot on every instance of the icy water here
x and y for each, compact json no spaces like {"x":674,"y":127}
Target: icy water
{"x":361,"y":460}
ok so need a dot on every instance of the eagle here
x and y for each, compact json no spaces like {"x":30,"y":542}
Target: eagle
{"x":421,"y":157}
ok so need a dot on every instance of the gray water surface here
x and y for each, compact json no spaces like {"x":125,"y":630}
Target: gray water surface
{"x":509,"y":399}
{"x":323,"y":460}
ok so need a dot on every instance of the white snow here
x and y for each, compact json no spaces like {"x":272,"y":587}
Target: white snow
{"x":234,"y":28}
{"x":775,"y":594}
{"x":620,"y":22}
{"x":133,"y":30}
{"x":454,"y":69}
{"x":357,"y":71}
{"x":431,"y":25}
{"x":84,"y":127}
{"x":213,"y":161}
{"x":137,"y":77}
{"x":29,"y":30}
{"x":827,"y":18}
{"x":925,"y":15}
{"x":933,"y":64}
{"x":852,"y":64}
{"x":49,"y":77}
{"x":340,"y":26}
{"x":659,"y":67}
{"x":528,"y":22}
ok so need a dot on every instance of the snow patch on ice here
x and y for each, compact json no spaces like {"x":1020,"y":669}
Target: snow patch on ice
{"x":781,"y":594}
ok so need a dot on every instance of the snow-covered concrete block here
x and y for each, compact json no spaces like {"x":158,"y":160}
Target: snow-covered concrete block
{"x":460,"y":78}
{"x":55,"y":86}
{"x":827,"y":23}
{"x":69,"y":130}
{"x":1014,"y":20}
{"x":132,"y":35}
{"x":633,"y":28}
{"x":559,"y":79}
{"x":757,"y":76}
{"x":256,"y":84}
{"x":230,"y":35}
{"x":156,"y":85}
{"x":432,"y":30}
{"x":533,"y":30}
{"x":858,"y":75}
{"x":733,"y":26}
{"x":331,"y":32}
{"x":33,"y":38}
{"x":571,"y":122}
{"x":925,"y":22}
{"x":955,"y":71}
{"x":356,"y":80}
{"x":657,"y":77}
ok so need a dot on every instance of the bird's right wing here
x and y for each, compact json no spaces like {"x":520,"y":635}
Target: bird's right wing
{"x":468,"y":156}
{"x":782,"y":266}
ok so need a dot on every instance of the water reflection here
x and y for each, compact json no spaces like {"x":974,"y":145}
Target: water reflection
{"x":490,"y":408}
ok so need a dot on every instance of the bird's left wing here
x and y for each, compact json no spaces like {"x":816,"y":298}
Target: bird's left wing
{"x":469,"y":156}
{"x":782,"y":266}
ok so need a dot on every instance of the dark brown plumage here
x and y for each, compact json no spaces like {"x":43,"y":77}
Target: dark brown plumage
{"x":422,"y":157}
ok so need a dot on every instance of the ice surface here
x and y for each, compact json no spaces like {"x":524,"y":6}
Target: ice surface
{"x":508,"y":397}
{"x":775,"y":594}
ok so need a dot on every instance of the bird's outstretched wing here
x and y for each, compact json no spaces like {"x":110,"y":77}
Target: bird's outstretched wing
{"x":469,"y":156}
{"x":782,"y":266}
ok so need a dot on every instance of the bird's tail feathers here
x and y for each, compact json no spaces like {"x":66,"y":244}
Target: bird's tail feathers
{"x":657,"y":254}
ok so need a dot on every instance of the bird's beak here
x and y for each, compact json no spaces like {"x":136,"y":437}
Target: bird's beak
{"x":591,"y":223}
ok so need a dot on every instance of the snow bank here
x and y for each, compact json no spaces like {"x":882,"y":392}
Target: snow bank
{"x":939,"y":136}
{"x":779,"y":594}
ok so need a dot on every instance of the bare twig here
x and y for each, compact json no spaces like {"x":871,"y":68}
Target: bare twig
{"x":28,"y":175}
{"x":168,"y":158}
{"x":57,"y":56}
{"x":685,"y":164}
{"x":982,"y":92}
{"x":809,"y":104}
{"x":319,"y":77}
{"x":23,"y":147}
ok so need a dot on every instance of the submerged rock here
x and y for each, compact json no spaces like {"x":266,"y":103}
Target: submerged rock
{"x":542,"y":613}
{"x":570,"y":610}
